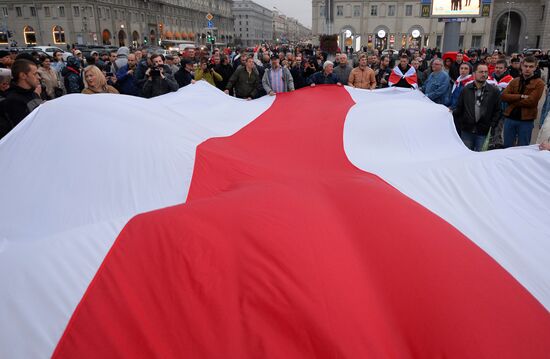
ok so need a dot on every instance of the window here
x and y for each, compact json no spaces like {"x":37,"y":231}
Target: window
{"x":340,"y":10}
{"x":542,"y":10}
{"x":76,"y":11}
{"x":99,"y":13}
{"x":18,"y":11}
{"x":108,"y":12}
{"x":322,"y":11}
{"x":47,"y":11}
{"x":142,"y":17}
{"x":374,"y":10}
{"x":438,"y":41}
{"x":391,"y":10}
{"x":461,"y":41}
{"x":33,"y":11}
{"x":58,"y":35}
{"x":115,"y":14}
{"x":476,"y":41}
{"x":29,"y":35}
{"x":356,"y":10}
{"x":62,"y":11}
{"x":408,"y":10}
{"x":5,"y":11}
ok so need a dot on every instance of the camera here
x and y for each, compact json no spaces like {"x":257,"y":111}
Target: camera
{"x":155,"y":71}
{"x":209,"y":66}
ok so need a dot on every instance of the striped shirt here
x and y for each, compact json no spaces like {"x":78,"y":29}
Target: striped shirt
{"x":276,"y":77}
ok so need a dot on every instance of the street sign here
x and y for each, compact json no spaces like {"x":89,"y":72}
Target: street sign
{"x":209,"y":17}
{"x":210,"y":24}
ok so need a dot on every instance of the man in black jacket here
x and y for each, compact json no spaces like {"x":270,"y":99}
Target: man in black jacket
{"x":454,"y":71}
{"x":184,"y":76}
{"x":160,"y":79}
{"x":24,"y":94}
{"x":477,"y":110}
{"x":224,"y":69}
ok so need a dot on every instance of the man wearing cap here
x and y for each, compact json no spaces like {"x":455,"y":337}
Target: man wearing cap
{"x":5,"y":59}
{"x":184,"y":76}
{"x":277,"y":79}
{"x":80,"y":57}
{"x":169,"y":61}
{"x":325,"y":76}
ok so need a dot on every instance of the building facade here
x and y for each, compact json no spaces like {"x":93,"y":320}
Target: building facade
{"x":253,"y":23}
{"x":505,"y":25}
{"x":112,"y":22}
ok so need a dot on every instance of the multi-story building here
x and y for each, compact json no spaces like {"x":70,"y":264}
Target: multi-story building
{"x":280,"y":27}
{"x":404,"y":23}
{"x":116,"y":22}
{"x":253,"y":23}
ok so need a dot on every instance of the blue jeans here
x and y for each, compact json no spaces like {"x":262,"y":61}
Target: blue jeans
{"x":473,"y":141}
{"x":545,"y":108}
{"x":516,"y":128}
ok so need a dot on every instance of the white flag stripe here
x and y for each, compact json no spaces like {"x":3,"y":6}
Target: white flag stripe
{"x":499,"y":199}
{"x":73,"y":173}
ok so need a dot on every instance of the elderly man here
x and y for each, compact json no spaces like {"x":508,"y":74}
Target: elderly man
{"x":325,"y":76}
{"x":362,"y":76}
{"x":438,"y":85}
{"x":277,"y":79}
{"x":343,"y":70}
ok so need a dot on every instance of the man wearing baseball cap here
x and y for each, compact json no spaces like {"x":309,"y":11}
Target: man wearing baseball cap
{"x":184,"y":76}
{"x":277,"y":79}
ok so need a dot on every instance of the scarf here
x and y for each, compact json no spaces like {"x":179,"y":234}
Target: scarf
{"x":409,"y":76}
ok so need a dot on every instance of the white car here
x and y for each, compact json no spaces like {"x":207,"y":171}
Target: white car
{"x":50,"y":50}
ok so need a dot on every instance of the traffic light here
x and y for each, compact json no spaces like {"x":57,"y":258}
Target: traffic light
{"x":145,"y":39}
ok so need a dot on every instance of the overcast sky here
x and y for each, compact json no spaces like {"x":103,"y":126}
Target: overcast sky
{"x":298,"y":9}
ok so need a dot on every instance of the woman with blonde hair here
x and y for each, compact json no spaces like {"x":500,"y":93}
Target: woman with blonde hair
{"x":95,"y":82}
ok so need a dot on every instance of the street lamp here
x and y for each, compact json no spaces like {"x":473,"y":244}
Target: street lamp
{"x":509,"y":3}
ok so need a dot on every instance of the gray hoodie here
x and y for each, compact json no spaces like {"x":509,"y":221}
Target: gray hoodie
{"x":122,"y":57}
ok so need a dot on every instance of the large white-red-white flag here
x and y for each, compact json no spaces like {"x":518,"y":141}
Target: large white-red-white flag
{"x":325,"y":223}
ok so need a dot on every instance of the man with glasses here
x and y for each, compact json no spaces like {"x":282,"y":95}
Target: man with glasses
{"x":522,"y":95}
{"x":477,"y":109}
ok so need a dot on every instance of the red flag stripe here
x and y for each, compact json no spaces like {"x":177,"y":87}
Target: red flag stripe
{"x":285,"y":249}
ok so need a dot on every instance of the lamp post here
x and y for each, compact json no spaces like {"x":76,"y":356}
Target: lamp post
{"x":509,"y":3}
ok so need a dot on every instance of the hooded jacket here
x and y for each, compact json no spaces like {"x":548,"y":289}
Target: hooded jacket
{"x":121,"y":58}
{"x":71,"y":76}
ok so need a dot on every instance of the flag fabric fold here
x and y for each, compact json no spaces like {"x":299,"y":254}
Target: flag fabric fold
{"x":247,"y":232}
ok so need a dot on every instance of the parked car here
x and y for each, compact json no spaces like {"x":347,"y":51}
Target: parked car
{"x":50,"y":50}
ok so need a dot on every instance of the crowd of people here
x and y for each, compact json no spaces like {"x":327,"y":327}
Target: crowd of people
{"x":486,"y":93}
